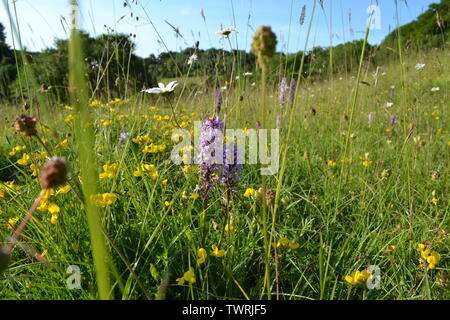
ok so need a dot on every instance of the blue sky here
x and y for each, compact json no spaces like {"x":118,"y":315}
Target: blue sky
{"x":41,"y":21}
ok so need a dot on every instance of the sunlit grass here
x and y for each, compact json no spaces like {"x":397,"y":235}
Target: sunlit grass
{"x":353,"y":191}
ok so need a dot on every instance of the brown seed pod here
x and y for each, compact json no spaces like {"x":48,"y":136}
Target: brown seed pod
{"x":53,"y":173}
{"x":26,"y":125}
{"x":270,"y":196}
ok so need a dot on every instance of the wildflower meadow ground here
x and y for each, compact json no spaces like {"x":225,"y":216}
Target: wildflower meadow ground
{"x":356,"y":204}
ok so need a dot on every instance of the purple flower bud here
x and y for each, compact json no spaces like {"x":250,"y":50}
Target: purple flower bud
{"x":371,"y":115}
{"x":211,"y":141}
{"x":258,"y":124}
{"x":292,"y":89}
{"x":393,"y":120}
{"x":219,"y":163}
{"x":232,"y":166}
{"x":283,"y":91}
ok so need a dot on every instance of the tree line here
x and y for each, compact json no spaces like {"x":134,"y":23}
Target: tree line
{"x":113,"y":68}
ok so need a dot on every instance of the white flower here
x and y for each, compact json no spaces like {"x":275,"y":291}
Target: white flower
{"x":237,"y":77}
{"x":224,"y":88}
{"x":434,"y":89}
{"x":248,"y":74}
{"x":192,"y":59}
{"x":162,"y":89}
{"x":419,"y":66}
{"x":389,"y":104}
{"x":226,"y":32}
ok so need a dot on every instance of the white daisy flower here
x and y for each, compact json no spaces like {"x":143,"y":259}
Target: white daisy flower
{"x":434,"y":89}
{"x":162,"y":89}
{"x":192,"y":59}
{"x":248,"y":74}
{"x":389,"y":104}
{"x":419,"y":66}
{"x":226,"y":32}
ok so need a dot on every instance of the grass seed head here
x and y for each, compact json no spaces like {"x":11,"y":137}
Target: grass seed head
{"x":264,"y":43}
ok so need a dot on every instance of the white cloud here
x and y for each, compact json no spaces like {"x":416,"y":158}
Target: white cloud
{"x":186,"y":11}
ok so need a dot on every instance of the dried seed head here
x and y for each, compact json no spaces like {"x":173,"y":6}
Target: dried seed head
{"x":26,"y":125}
{"x":53,"y":173}
{"x":4,"y":261}
{"x":263,"y":45}
{"x":270,"y":196}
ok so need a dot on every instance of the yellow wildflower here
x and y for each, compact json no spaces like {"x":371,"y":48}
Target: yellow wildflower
{"x":106,"y":122}
{"x":148,"y":170}
{"x":42,"y":206}
{"x":194,"y":196}
{"x":433,"y":259}
{"x":283,"y":242}
{"x":63,"y":144}
{"x":115,"y":101}
{"x":358,"y":277}
{"x":42,"y":255}
{"x":250,"y":192}
{"x":421,"y":247}
{"x":69,"y":118}
{"x":95,"y":103}
{"x":12,"y":222}
{"x":286,"y":243}
{"x":54,"y":219}
{"x":202,"y":255}
{"x":216,"y":252}
{"x":25,"y":160}
{"x":105,"y":199}
{"x":53,"y":209}
{"x":16,"y":150}
{"x":189,"y":276}
{"x":141,"y":139}
{"x":229,"y":228}
{"x":331,"y":163}
{"x":65,"y":189}
{"x":365,"y":160}
{"x":434,"y":201}
{"x":34,"y":170}
{"x":109,"y":171}
{"x":366,"y":163}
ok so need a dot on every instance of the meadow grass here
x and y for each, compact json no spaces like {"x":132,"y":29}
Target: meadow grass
{"x":351,"y":195}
